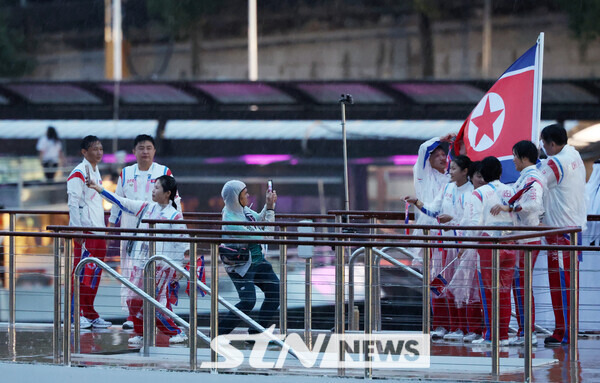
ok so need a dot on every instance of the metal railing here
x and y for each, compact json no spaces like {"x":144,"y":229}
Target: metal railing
{"x":337,"y":240}
{"x":340,"y":312}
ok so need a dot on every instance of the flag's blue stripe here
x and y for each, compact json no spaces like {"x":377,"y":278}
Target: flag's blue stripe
{"x":486,"y":316}
{"x":510,"y":174}
{"x":563,"y":297}
{"x":432,"y":214}
{"x":110,"y":197}
{"x":526,"y":60}
{"x":519,"y":303}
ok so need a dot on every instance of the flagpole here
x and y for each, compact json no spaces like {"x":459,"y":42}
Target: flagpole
{"x":538,"y":78}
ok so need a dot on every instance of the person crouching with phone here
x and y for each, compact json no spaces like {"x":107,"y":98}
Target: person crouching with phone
{"x":257,"y":271}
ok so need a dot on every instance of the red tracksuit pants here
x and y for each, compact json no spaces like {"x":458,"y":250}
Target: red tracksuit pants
{"x":163,"y":322}
{"x":90,"y":280}
{"x":507,"y":260}
{"x":560,"y":282}
{"x":518,"y":288}
{"x":468,"y":317}
{"x":440,"y":308}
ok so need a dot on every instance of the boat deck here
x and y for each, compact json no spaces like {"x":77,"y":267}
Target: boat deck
{"x":449,"y":361}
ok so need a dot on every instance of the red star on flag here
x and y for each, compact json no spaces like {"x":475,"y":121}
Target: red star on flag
{"x":485,"y":122}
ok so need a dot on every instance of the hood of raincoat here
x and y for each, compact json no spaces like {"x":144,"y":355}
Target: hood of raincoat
{"x":231,"y":196}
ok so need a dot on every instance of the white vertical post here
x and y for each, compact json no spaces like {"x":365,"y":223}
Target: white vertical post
{"x":539,"y":75}
{"x":252,"y":42}
{"x":117,"y":36}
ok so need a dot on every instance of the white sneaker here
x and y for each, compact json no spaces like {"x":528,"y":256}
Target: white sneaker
{"x":516,"y":341}
{"x":101,"y":323}
{"x":484,"y":342}
{"x":128,"y":325}
{"x":136,"y":340}
{"x":470,"y":337}
{"x":520,"y":341}
{"x":179,"y":338}
{"x":457,"y":335}
{"x":83,"y":323}
{"x":438,"y":333}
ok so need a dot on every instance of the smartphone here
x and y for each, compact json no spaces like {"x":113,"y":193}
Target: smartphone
{"x":87,"y":172}
{"x":269,"y":185}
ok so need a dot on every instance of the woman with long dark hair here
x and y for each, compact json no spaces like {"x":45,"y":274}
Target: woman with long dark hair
{"x":51,"y":154}
{"x":162,"y":207}
{"x":448,"y":208}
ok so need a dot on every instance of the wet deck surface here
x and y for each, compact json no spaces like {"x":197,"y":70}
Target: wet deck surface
{"x":450,"y":361}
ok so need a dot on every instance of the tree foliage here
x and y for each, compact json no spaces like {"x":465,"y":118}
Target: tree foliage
{"x":13,"y":59}
{"x":583,"y":18}
{"x":181,"y":16}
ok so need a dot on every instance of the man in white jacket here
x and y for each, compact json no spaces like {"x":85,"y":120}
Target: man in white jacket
{"x":136,"y":182}
{"x":85,"y":209}
{"x":565,"y":205}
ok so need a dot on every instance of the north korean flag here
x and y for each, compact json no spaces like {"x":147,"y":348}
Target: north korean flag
{"x":508,"y":113}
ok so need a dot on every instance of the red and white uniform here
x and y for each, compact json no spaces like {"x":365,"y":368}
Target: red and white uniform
{"x":166,"y":284}
{"x":464,"y":285}
{"x":428,"y":183}
{"x":85,"y":209}
{"x":565,"y":204}
{"x":450,"y":201}
{"x":486,"y":197}
{"x":135,"y":184}
{"x":527,"y":211}
{"x":564,"y":175}
{"x":85,"y":206}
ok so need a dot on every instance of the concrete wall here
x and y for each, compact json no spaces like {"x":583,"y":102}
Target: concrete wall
{"x":383,"y":53}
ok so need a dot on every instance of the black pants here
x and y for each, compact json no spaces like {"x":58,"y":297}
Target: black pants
{"x":49,"y":169}
{"x":261,"y":275}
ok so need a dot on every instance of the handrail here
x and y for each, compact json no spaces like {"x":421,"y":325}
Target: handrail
{"x":339,"y":244}
{"x":311,"y":243}
{"x":400,"y":215}
{"x":330,"y":213}
{"x":280,"y":215}
{"x":351,"y":213}
{"x":412,"y":271}
{"x":371,"y":214}
{"x":401,"y":249}
{"x":353,"y":257}
{"x":396,"y":262}
{"x":130,"y":286}
{"x":349,"y":225}
{"x":149,"y":329}
{"x":191,"y":214}
{"x":221,"y":300}
{"x":311,"y":235}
